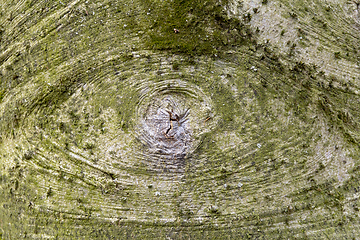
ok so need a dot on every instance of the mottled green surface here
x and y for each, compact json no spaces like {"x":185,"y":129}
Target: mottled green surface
{"x":273,"y":92}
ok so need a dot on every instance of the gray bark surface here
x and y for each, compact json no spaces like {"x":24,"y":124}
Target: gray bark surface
{"x":179,"y":119}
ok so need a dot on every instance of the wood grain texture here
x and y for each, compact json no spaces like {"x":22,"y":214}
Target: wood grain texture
{"x":244,"y":123}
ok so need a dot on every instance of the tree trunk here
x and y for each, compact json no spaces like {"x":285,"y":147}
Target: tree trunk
{"x":179,"y":119}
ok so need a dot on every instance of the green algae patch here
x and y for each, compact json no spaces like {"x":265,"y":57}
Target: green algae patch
{"x":192,"y":27}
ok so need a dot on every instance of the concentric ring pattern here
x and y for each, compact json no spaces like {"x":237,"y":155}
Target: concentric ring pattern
{"x":170,"y":119}
{"x":103,"y":136}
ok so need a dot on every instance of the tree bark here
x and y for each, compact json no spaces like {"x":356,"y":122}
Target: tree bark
{"x":179,"y":119}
